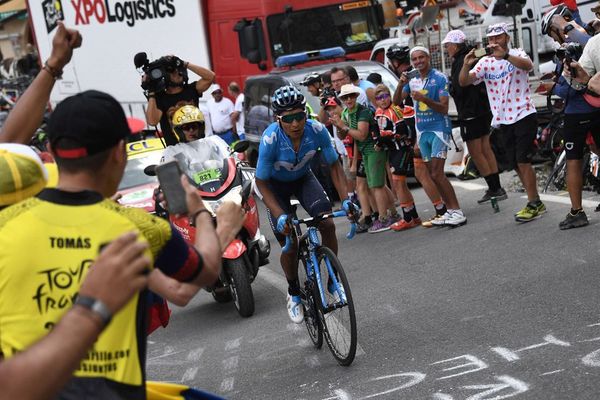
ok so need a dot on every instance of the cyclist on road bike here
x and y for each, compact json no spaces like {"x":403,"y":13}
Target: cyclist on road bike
{"x":283,"y":170}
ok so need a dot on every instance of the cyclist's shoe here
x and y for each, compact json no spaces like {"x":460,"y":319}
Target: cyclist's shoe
{"x":574,"y":221}
{"x":441,"y":220}
{"x":429,"y":223}
{"x":362,"y":227}
{"x":335,"y":294}
{"x":499,"y":194}
{"x":295,"y":309}
{"x":530,"y":212}
{"x":380,"y":225}
{"x":403,"y":225}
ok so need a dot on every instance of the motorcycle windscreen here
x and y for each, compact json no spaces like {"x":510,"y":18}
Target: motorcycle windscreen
{"x":204,"y":161}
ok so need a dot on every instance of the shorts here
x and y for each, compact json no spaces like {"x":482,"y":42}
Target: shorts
{"x":576,"y":128}
{"x":432,"y":146}
{"x":374,"y":168}
{"x":400,"y":160}
{"x":518,"y":140}
{"x":360,"y":169}
{"x":475,"y":128}
{"x":227,"y":136}
{"x":309,"y":193}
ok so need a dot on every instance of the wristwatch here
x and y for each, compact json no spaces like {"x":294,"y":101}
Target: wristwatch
{"x":96,"y":306}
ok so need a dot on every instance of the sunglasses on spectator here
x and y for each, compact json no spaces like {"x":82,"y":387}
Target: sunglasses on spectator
{"x":339,"y":80}
{"x":348,"y":96}
{"x":382,"y":96}
{"x":191,"y":126}
{"x":288,"y":119}
{"x":497,"y":29}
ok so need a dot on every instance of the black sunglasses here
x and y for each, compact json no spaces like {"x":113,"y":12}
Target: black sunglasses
{"x":288,"y":119}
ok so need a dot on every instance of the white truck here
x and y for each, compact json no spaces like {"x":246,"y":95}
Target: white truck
{"x":113,"y":32}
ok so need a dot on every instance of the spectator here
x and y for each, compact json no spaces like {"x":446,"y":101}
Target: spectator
{"x":358,"y":122}
{"x":396,"y":137}
{"x":429,"y":91}
{"x":506,"y":77}
{"x":339,"y":77}
{"x":238,"y":109}
{"x":474,"y":117}
{"x":368,"y":87}
{"x":326,"y":79}
{"x":221,"y":111}
{"x":375,"y":78}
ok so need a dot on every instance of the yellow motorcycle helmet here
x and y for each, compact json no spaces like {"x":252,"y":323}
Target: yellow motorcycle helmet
{"x":187,"y":115}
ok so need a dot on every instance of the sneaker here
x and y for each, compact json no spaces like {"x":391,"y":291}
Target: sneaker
{"x":530,"y":212}
{"x":574,"y":221}
{"x":456,"y":218}
{"x":499,"y":194}
{"x":380,"y":225}
{"x":394,"y":218}
{"x":429,"y":223}
{"x":295,"y":308}
{"x":362,"y":227}
{"x":403,"y":225}
{"x":441,"y":220}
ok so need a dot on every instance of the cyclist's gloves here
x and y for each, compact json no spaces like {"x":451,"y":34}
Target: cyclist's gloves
{"x":282,"y":222}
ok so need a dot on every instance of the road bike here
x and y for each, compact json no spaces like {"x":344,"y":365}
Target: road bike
{"x":326,"y":297}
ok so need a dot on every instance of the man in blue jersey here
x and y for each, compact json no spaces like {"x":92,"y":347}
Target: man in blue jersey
{"x":283,"y":170}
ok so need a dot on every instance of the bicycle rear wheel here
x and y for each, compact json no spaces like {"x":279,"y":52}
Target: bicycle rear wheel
{"x":311,"y":311}
{"x":338,"y":319}
{"x":558,"y":176}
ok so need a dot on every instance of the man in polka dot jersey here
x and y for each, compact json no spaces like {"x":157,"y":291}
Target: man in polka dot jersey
{"x":506,"y":76}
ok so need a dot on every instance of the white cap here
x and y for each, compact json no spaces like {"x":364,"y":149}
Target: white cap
{"x":419,"y":48}
{"x":455,"y":36}
{"x":497,"y":29}
{"x":349,"y":89}
{"x":215,"y":87}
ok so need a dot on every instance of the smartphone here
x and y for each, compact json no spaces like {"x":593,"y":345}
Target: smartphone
{"x":413,"y":73}
{"x":169,"y":177}
{"x":484,"y":51}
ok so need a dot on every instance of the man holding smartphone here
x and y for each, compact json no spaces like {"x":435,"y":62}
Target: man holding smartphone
{"x":474,"y":117}
{"x":506,"y":77}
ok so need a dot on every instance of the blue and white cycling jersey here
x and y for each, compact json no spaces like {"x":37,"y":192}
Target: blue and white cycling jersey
{"x":277,"y":158}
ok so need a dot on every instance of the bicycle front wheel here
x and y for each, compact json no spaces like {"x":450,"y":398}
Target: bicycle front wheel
{"x":338,"y":318}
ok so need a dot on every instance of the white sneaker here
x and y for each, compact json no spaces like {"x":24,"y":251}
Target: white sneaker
{"x":295,"y":309}
{"x":441,"y":220}
{"x":456,"y":218}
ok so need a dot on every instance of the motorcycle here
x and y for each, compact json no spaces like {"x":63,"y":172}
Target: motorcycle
{"x":219,"y":176}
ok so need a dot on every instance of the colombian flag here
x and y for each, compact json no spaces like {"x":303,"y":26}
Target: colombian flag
{"x":171,"y":391}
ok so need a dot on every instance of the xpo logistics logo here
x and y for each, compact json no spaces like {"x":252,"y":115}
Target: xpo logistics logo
{"x":108,"y":11}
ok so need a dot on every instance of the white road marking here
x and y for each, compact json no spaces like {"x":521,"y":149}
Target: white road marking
{"x":506,"y":382}
{"x":279,"y":282}
{"x":233,"y":344}
{"x":189,"y":374}
{"x":552,"y":372}
{"x":442,"y":396}
{"x":196,"y":354}
{"x":505,"y":353}
{"x":227,"y":384}
{"x":230,"y":363}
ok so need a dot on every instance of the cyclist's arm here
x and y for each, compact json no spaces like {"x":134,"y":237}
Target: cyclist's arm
{"x":332,"y":158}
{"x":171,"y":289}
{"x":339,"y":179}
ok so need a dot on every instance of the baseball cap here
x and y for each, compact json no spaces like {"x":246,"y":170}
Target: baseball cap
{"x":497,"y":29}
{"x":215,"y":87}
{"x":85,"y":124}
{"x":419,"y":48}
{"x":454,"y":36}
{"x":331,"y":102}
{"x":22,"y":173}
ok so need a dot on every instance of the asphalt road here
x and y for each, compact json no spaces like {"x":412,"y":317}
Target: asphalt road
{"x":490,"y":310}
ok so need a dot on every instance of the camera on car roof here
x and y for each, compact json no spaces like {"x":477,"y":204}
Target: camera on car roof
{"x":158,"y":71}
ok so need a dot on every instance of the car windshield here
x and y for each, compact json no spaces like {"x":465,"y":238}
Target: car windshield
{"x":352,"y":26}
{"x":204,"y":162}
{"x":134,"y":171}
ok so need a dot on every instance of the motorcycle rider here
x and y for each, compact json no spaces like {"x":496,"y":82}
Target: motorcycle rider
{"x":283,"y":170}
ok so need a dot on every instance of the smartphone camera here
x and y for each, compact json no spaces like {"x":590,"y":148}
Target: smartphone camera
{"x":484,"y":51}
{"x":413,"y":73}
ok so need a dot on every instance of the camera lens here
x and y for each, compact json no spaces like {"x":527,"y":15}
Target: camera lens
{"x":156,"y":73}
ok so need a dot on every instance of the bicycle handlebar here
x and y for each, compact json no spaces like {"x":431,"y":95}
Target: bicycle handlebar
{"x":314,"y":221}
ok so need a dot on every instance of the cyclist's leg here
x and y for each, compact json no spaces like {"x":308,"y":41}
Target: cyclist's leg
{"x":289,"y":261}
{"x":314,"y":200}
{"x":574,"y":137}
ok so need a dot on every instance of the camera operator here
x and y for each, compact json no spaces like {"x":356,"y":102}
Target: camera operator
{"x":161,"y":97}
{"x":560,"y":25}
{"x":474,"y":117}
{"x":580,"y":118}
